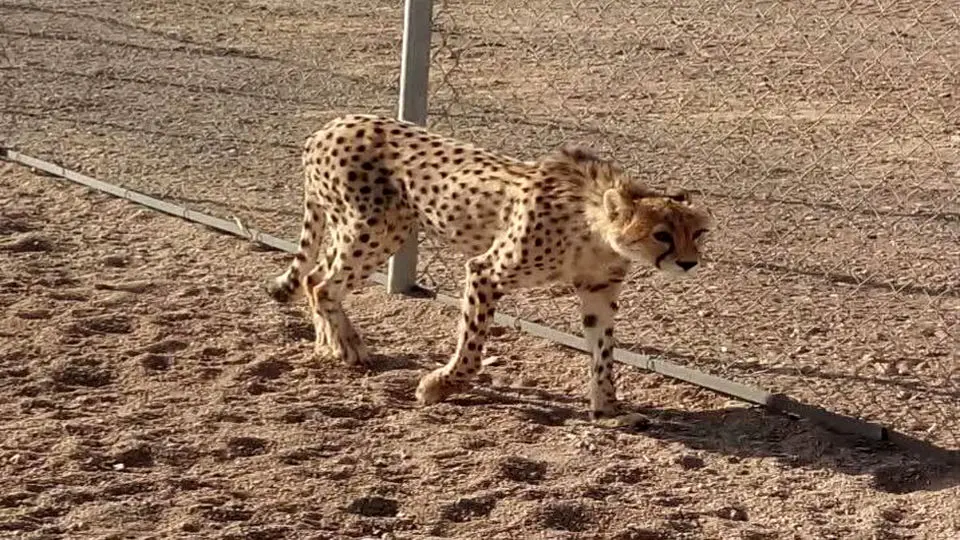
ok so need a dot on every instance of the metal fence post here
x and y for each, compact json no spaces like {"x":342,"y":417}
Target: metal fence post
{"x":414,"y":83}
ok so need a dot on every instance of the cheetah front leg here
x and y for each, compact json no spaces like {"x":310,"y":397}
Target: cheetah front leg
{"x":481,"y":292}
{"x":599,"y":306}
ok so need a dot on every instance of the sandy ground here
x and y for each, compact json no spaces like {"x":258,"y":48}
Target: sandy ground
{"x":826,"y":141}
{"x":149,"y":389}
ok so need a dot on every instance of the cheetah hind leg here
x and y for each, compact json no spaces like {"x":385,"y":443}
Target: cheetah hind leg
{"x":323,"y":333}
{"x":350,"y":264}
{"x":336,"y":336}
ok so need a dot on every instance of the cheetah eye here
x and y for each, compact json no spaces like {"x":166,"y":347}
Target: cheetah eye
{"x":699,"y":233}
{"x":663,"y":236}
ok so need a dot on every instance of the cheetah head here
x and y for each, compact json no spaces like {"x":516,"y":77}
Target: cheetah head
{"x":663,"y":229}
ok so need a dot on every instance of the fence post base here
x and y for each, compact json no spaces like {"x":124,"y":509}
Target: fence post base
{"x":414,"y":84}
{"x":402,"y":267}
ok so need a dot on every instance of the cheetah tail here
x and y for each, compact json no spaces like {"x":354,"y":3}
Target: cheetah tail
{"x":289,"y":285}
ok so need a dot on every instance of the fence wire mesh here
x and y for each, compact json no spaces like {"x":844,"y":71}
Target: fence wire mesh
{"x":200,"y":102}
{"x":824,"y":137}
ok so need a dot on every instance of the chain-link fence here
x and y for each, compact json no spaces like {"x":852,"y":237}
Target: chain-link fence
{"x":200,"y":102}
{"x":825,"y":137}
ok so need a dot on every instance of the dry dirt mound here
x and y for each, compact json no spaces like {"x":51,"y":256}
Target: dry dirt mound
{"x":149,"y":388}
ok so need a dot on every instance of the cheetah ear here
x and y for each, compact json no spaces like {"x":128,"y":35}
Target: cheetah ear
{"x":637,"y":191}
{"x":678,"y":195}
{"x":579,"y":154}
{"x":617,"y":207}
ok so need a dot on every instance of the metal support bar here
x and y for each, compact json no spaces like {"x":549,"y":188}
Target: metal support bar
{"x":414,"y":85}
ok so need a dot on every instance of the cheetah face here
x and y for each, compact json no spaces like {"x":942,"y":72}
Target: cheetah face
{"x":665,"y":231}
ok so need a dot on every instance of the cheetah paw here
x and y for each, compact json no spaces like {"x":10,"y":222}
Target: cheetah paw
{"x":436,"y":386}
{"x":324,"y":353}
{"x":353,"y":358}
{"x":353,"y":355}
{"x":356,"y":357}
{"x":605,"y":410}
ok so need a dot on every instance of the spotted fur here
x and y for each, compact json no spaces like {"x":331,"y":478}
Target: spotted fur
{"x":570,"y":216}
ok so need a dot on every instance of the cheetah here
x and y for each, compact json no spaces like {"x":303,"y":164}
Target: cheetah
{"x":569,"y":216}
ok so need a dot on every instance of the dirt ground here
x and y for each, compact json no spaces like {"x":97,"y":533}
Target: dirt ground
{"x":825,"y":140}
{"x":149,"y":389}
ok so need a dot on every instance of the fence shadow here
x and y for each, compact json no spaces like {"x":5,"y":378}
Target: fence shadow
{"x":833,"y":277}
{"x":767,"y":199}
{"x":295,"y":148}
{"x":159,"y":85}
{"x":186,"y":45}
{"x":183,"y":45}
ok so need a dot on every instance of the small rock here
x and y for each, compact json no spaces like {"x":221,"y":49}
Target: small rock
{"x":757,"y":534}
{"x":447,"y":454}
{"x":374,"y":506}
{"x":572,"y":516}
{"x":628,"y":474}
{"x":690,"y":461}
{"x":468,"y":508}
{"x":135,"y":286}
{"x":133,"y":455}
{"x":156,"y":362}
{"x":633,"y":421}
{"x":496,"y":331}
{"x":734,"y":513}
{"x":901,"y":478}
{"x":893,"y":515}
{"x":634,"y":532}
{"x":84,"y":371}
{"x":115,"y":261}
{"x":166,"y":346}
{"x":33,"y":314}
{"x":26,"y":243}
{"x":246,"y":447}
{"x":521,"y":469}
{"x":267,"y":369}
{"x":255,"y":388}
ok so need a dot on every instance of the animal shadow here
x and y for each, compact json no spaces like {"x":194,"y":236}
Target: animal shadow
{"x":382,"y":363}
{"x":747,"y":432}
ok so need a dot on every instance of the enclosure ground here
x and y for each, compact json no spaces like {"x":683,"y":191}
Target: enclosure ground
{"x":823,"y":137}
{"x":149,"y":389}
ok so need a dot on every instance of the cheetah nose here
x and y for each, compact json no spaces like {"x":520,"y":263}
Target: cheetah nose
{"x":686,"y":265}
